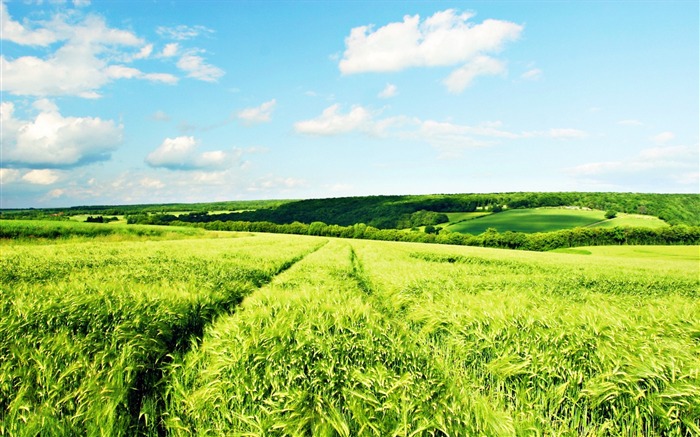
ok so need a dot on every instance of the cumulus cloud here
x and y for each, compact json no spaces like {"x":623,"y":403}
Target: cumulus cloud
{"x":197,"y":68}
{"x":170,"y":50}
{"x":90,"y":55}
{"x":18,"y":33}
{"x":181,"y":153}
{"x":51,"y":140}
{"x":446,"y":38}
{"x":41,"y":177}
{"x":259,"y":114}
{"x":8,"y":175}
{"x":332,"y":122}
{"x":390,"y":90}
{"x":463,"y":77}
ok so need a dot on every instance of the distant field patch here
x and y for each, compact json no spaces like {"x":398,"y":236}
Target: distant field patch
{"x":530,"y":220}
{"x":633,"y":220}
{"x":83,"y":217}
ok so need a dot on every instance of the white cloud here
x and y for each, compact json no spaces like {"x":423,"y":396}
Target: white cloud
{"x":8,"y":175}
{"x":52,"y":140}
{"x":56,"y":193}
{"x":259,"y":114}
{"x":532,"y":74}
{"x":197,"y":68}
{"x":444,"y":39}
{"x":463,"y":77}
{"x":674,"y":158}
{"x":170,"y":50}
{"x":160,"y":116}
{"x":81,"y":65}
{"x":181,"y":153}
{"x":389,"y":91}
{"x":16,"y":32}
{"x":332,"y":122}
{"x":147,"y":182}
{"x":41,"y":177}
{"x":182,"y":32}
{"x":145,"y":52}
{"x":275,"y":183}
{"x":449,"y":138}
{"x":663,"y":137}
{"x":630,"y":122}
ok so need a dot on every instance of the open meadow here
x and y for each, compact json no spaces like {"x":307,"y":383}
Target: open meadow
{"x":263,"y":334}
{"x":545,"y":220}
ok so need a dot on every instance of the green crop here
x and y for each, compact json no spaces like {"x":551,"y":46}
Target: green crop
{"x":86,"y":328}
{"x":288,"y":335}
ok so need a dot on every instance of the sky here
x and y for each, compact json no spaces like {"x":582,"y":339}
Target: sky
{"x":136,"y":101}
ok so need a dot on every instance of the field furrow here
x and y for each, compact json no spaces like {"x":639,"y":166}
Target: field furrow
{"x":608,"y":355}
{"x":308,"y":355}
{"x":265,"y":335}
{"x":87,"y":328}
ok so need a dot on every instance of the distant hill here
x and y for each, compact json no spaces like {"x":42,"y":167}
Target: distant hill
{"x":397,"y":212}
{"x":387,"y":212}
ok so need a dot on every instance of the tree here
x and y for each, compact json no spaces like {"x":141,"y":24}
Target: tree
{"x":610,"y":214}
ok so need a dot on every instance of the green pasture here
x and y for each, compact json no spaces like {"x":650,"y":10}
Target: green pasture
{"x":547,"y":220}
{"x":83,"y":217}
{"x":633,"y":220}
{"x":270,"y":334}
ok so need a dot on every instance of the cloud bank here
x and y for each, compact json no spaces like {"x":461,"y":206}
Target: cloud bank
{"x":444,"y":39}
{"x":51,"y":140}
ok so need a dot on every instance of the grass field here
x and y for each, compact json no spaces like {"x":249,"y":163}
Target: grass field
{"x":546,"y":220}
{"x":623,"y":219}
{"x":688,"y":253}
{"x":287,"y":335}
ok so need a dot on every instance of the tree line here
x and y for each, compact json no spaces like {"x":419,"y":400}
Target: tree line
{"x":576,"y":237}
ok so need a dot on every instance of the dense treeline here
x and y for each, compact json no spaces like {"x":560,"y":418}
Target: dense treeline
{"x":679,"y":234}
{"x":400,"y":212}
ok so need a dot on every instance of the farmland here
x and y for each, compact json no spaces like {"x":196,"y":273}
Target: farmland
{"x":262,"y":334}
{"x":547,"y":220}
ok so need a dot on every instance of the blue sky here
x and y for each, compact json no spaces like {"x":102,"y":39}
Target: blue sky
{"x":122,"y":102}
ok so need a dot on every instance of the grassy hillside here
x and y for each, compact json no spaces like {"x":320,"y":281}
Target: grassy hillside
{"x":287,"y":335}
{"x":547,"y":220}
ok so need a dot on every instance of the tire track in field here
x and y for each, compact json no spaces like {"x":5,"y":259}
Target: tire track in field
{"x":151,"y":381}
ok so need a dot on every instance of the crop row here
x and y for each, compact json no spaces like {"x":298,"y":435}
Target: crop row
{"x":87,"y":329}
{"x":373,"y":338}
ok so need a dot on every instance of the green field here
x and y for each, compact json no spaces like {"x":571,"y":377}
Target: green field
{"x":547,"y":220}
{"x":268,"y":334}
{"x":623,"y":219}
{"x":688,"y":253}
